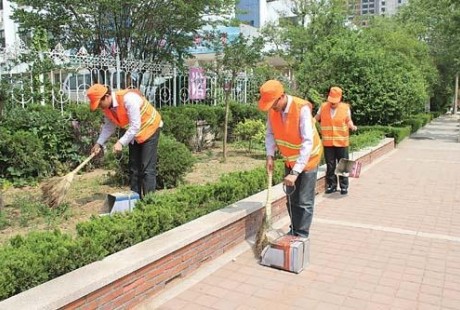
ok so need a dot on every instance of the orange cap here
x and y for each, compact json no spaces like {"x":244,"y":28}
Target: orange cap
{"x":335,"y":95}
{"x":95,"y":93}
{"x":270,"y":91}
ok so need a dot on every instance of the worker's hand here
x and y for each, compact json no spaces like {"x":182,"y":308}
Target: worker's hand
{"x":270,"y":164}
{"x":290,"y":179}
{"x":117,"y":147}
{"x":96,"y":149}
{"x":354,"y":128}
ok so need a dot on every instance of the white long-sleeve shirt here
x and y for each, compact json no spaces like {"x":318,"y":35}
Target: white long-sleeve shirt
{"x":133,"y":104}
{"x":306,"y":133}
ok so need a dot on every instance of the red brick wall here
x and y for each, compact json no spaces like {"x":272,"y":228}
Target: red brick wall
{"x":149,"y":280}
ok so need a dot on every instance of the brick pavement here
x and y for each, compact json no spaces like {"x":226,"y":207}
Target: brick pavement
{"x":392,"y":243}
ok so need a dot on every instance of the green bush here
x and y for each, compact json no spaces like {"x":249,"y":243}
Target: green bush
{"x":41,"y":256}
{"x":251,"y":132}
{"x":365,"y":139}
{"x":22,"y":157}
{"x":398,"y":133}
{"x":174,"y":162}
{"x":62,"y":139}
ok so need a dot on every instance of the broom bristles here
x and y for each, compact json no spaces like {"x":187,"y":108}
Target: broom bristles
{"x":261,"y":237}
{"x":55,"y":190}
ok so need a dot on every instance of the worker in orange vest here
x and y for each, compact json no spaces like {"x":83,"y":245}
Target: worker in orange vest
{"x":291,"y":129}
{"x":129,"y":110}
{"x":335,"y":119}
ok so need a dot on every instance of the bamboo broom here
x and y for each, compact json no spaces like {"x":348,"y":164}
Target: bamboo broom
{"x":262,"y":239}
{"x":55,"y":190}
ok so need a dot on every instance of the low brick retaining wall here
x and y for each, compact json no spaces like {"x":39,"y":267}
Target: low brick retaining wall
{"x":126,"y":278}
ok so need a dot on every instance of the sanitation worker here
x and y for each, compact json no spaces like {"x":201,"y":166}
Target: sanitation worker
{"x":291,"y":129}
{"x":129,"y":110}
{"x":335,"y":119}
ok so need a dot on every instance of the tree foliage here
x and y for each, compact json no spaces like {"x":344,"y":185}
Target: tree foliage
{"x":383,"y":82}
{"x":151,"y":30}
{"x":240,"y":54}
{"x":437,"y":23}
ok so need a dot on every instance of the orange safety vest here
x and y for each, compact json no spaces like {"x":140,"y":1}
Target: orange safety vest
{"x":288,"y":138}
{"x":150,"y":118}
{"x":334,"y":131}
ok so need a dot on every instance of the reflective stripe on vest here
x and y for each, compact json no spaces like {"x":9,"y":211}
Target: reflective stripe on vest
{"x":288,"y":139}
{"x":334,"y":131}
{"x":150,"y":118}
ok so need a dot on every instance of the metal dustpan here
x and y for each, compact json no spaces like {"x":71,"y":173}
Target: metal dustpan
{"x":348,"y":168}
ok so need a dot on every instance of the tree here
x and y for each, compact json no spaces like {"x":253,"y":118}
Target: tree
{"x":437,"y":23}
{"x":233,"y":58}
{"x":313,"y":21}
{"x":382,"y":81}
{"x":154,"y":30}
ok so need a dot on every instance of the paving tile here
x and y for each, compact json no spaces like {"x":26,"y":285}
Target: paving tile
{"x":384,"y":246}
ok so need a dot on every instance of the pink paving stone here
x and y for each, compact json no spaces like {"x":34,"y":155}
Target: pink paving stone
{"x":362,"y":268}
{"x":382,"y":299}
{"x":429,"y":299}
{"x":423,"y":306}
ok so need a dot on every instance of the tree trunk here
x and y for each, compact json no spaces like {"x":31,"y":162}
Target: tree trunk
{"x":227,"y":110}
{"x":454,"y":110}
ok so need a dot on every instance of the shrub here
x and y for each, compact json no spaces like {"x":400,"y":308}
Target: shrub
{"x":41,"y":256}
{"x":174,"y":162}
{"x":251,"y":132}
{"x":22,"y":157}
{"x":398,"y":133}
{"x":365,"y":139}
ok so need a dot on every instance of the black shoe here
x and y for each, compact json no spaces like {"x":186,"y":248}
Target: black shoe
{"x":331,"y":190}
{"x":344,"y":191}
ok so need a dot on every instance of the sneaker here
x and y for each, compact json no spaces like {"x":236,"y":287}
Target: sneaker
{"x":331,"y":190}
{"x":344,"y":191}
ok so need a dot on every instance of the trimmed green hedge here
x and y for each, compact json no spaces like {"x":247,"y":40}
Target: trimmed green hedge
{"x":39,"y":257}
{"x":27,"y":261}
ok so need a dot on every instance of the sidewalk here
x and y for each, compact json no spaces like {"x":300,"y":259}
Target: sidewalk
{"x":392,"y":243}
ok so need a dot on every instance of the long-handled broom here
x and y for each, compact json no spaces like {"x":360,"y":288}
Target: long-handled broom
{"x":262,"y":236}
{"x":55,"y":190}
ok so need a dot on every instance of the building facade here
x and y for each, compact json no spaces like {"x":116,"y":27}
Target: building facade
{"x":258,"y":13}
{"x":8,"y":28}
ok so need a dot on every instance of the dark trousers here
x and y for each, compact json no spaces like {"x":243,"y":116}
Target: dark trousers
{"x":332,"y":155}
{"x":143,"y":165}
{"x":300,"y":202}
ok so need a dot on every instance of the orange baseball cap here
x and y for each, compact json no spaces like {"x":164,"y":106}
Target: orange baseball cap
{"x":335,"y":95}
{"x":95,"y":93}
{"x":270,"y":91}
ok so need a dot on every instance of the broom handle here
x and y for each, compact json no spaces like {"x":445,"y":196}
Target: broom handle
{"x":83,"y":163}
{"x":268,"y":204}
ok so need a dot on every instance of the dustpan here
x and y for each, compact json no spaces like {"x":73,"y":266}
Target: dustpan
{"x":348,"y":168}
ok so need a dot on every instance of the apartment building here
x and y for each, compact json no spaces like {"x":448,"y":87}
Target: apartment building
{"x":258,"y":13}
{"x":8,"y":28}
{"x":379,"y":7}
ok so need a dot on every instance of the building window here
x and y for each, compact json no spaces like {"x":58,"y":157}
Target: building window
{"x":2,"y":38}
{"x":383,"y":2}
{"x":383,"y":9}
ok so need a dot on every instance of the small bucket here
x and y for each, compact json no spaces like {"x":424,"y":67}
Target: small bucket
{"x":348,"y":168}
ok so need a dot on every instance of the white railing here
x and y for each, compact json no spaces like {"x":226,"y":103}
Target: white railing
{"x":59,"y":77}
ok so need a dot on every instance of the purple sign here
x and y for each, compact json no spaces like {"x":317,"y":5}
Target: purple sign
{"x":196,"y":84}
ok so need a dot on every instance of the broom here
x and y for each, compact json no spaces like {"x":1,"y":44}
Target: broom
{"x":262,"y":237}
{"x":55,"y":190}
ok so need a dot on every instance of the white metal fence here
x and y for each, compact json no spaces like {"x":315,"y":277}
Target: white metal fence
{"x":59,"y":77}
